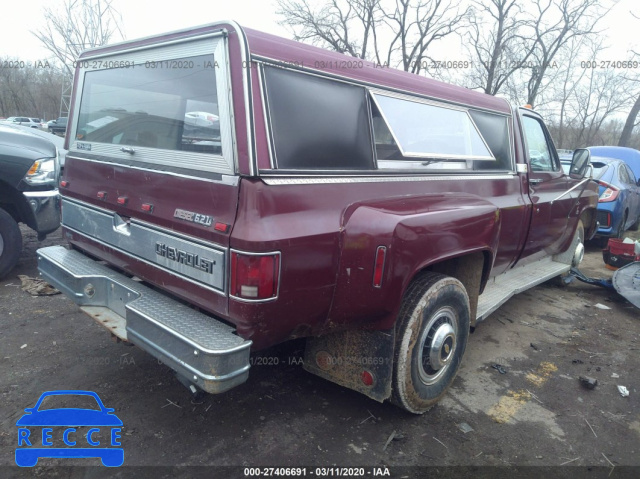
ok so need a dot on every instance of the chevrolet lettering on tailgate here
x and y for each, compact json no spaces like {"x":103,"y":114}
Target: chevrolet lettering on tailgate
{"x":184,"y":257}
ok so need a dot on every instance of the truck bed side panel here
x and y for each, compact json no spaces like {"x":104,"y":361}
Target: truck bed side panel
{"x":328,"y":234}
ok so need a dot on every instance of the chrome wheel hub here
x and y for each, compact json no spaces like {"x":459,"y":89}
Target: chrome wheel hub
{"x":578,"y":255}
{"x":437,"y":345}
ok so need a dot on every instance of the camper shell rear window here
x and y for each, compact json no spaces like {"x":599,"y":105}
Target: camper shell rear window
{"x":160,"y":106}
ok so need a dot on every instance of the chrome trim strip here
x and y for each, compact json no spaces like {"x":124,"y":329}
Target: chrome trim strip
{"x":440,"y":166}
{"x":267,"y":117}
{"x":251,"y":253}
{"x":142,"y":260}
{"x":230,"y":180}
{"x":245,"y":55}
{"x":273,"y":180}
{"x":193,"y":239}
{"x":41,"y":194}
{"x":570,"y":189}
{"x":220,"y":32}
{"x":131,"y":239}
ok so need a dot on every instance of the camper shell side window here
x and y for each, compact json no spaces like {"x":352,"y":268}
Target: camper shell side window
{"x":320,"y":124}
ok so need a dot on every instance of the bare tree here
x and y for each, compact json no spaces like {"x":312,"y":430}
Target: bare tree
{"x":588,"y":101}
{"x":32,"y":89}
{"x":596,"y":100}
{"x":569,"y":79}
{"x":78,"y":25}
{"x":345,"y":27}
{"x":630,"y":124}
{"x":395,"y":33}
{"x":557,"y":22}
{"x":496,"y":43}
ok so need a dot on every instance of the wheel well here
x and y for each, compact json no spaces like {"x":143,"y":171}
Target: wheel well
{"x":9,"y":198}
{"x":587,"y":218}
{"x":471,"y":270}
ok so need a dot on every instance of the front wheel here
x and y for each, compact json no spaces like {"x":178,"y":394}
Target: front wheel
{"x":432,"y":332}
{"x":10,"y":243}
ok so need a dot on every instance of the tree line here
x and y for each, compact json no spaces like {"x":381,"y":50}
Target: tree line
{"x":549,"y":54}
{"x":41,"y":89}
{"x":545,"y":53}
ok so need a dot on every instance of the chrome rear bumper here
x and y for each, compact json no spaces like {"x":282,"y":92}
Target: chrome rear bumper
{"x":199,"y":348}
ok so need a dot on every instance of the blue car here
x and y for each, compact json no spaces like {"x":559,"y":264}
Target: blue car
{"x":629,"y":155}
{"x":41,"y":420}
{"x":619,"y":196}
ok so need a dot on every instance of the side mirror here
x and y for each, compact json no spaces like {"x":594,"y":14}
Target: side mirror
{"x":580,"y":163}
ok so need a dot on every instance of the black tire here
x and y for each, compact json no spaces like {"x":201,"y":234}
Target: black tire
{"x":431,"y":302}
{"x":621,"y":228}
{"x":10,"y":243}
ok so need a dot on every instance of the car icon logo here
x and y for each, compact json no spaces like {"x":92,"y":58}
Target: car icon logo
{"x":90,"y":431}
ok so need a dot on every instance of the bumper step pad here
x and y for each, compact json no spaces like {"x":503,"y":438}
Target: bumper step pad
{"x":205,"y":351}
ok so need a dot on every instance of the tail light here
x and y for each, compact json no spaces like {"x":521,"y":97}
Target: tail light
{"x":609,"y":194}
{"x":255,"y":277}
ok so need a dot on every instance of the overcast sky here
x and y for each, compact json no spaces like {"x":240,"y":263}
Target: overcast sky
{"x":144,"y":17}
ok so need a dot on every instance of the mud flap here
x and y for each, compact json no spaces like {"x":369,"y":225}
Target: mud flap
{"x":345,"y":358}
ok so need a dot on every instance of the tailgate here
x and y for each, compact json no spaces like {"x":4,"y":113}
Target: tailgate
{"x":150,"y":181}
{"x":179,"y":225}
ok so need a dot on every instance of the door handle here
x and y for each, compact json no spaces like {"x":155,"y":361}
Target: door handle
{"x":535,"y":181}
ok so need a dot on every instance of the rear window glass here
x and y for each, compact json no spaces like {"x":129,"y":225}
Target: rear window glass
{"x":171,"y":105}
{"x":317,"y":123}
{"x":599,"y":168}
{"x":428,"y":131}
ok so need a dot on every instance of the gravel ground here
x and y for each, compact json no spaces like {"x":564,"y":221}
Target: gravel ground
{"x":535,"y":416}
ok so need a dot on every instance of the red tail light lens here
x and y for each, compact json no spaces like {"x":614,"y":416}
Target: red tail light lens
{"x":254,"y":276}
{"x":609,"y":194}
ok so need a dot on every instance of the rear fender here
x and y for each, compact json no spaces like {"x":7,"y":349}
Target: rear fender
{"x":418,"y":233}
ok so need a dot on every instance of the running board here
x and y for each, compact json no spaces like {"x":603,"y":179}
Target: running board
{"x":502,"y":287}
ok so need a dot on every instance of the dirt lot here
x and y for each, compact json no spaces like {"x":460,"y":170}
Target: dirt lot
{"x":536,"y":414}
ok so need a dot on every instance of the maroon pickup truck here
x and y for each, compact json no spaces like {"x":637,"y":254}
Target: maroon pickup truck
{"x":226,"y":190}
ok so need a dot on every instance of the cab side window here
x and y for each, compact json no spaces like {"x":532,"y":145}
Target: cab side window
{"x":540,"y":153}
